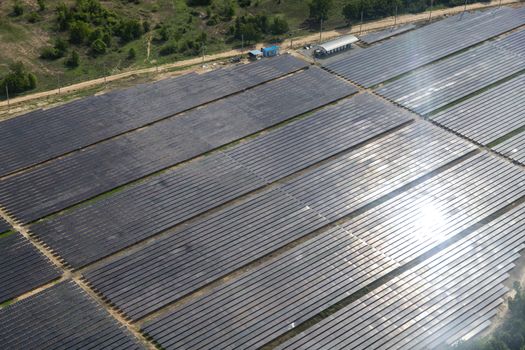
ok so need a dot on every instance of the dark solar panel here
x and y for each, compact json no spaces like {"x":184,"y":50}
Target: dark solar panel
{"x":62,"y":317}
{"x":22,"y":267}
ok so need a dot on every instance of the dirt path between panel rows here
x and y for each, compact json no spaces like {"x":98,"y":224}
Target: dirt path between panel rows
{"x":297,"y":42}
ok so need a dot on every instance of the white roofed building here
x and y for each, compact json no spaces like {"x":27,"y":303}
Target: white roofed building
{"x":336,"y":45}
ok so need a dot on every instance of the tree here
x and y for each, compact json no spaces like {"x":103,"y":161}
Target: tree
{"x":73,"y":60}
{"x":132,"y":53}
{"x":319,"y":9}
{"x":98,"y":47}
{"x":198,"y":2}
{"x":244,"y":3}
{"x":41,"y":5}
{"x":78,"y":32}
{"x":18,"y":79}
{"x":279,"y":26}
{"x":18,"y":8}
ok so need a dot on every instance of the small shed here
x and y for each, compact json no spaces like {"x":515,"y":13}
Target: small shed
{"x":255,"y":54}
{"x":336,"y":45}
{"x":270,"y":51}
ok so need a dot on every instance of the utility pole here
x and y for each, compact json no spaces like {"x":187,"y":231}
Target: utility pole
{"x":361,"y":24}
{"x":242,"y":43}
{"x":321,"y":31}
{"x":431,"y":6}
{"x":395,"y":18}
{"x":7,"y":95}
{"x":58,"y":78}
{"x":203,"y":48}
{"x":465,"y":8}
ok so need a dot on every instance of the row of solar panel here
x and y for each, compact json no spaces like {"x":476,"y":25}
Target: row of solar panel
{"x":62,"y":317}
{"x":374,"y":37}
{"x":239,"y":234}
{"x":452,"y":295}
{"x":81,"y":175}
{"x":86,"y":234}
{"x":93,"y":119}
{"x":437,"y":85}
{"x":272,"y":298}
{"x":395,"y":57}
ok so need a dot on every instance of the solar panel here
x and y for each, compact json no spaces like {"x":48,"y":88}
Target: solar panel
{"x":489,"y":115}
{"x":327,"y":132}
{"x":22,"y":267}
{"x":4,"y":226}
{"x":437,"y":85}
{"x":513,"y":148}
{"x":93,"y":119}
{"x":94,"y":170}
{"x":419,"y":47}
{"x":450,"y":295}
{"x":373,"y":37}
{"x":62,"y":316}
{"x":143,"y":210}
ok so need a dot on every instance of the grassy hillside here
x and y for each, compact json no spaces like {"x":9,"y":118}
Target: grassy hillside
{"x":169,"y":30}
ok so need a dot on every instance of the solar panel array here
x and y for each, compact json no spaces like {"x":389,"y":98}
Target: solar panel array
{"x":489,"y":115}
{"x":374,"y":37}
{"x":453,"y":294}
{"x":93,"y":119}
{"x":4,"y":226}
{"x":513,"y":148}
{"x":451,"y":79}
{"x":69,"y":180}
{"x":277,"y":204}
{"x":264,"y":303}
{"x":22,"y":267}
{"x":62,"y":316}
{"x":414,"y":49}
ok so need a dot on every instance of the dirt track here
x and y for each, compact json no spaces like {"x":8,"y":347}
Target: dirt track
{"x":297,"y":42}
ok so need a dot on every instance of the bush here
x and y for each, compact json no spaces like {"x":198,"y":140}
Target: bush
{"x":98,"y":47}
{"x":129,"y":29}
{"x":279,"y":26}
{"x":78,"y":32}
{"x":41,"y":5}
{"x":18,"y":8}
{"x":73,"y":60}
{"x":132,"y":54}
{"x":49,"y":53}
{"x":168,"y":49}
{"x":18,"y":79}
{"x":244,"y":3}
{"x":33,"y":17}
{"x":319,"y":9}
{"x":198,"y":2}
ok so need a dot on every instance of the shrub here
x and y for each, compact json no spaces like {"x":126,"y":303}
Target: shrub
{"x":98,"y":47}
{"x":73,"y":60}
{"x":168,"y":49}
{"x":18,"y":79}
{"x":18,"y":8}
{"x":132,"y":53}
{"x":41,"y":5}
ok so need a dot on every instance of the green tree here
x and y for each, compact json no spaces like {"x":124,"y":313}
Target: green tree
{"x":132,"y":53}
{"x":279,"y":26}
{"x":18,"y":8}
{"x":98,"y":47}
{"x":73,"y":59}
{"x":78,"y":32}
{"x":41,"y":5}
{"x":319,"y":9}
{"x":18,"y":79}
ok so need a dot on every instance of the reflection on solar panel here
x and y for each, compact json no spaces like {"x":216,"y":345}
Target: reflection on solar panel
{"x":448,"y":296}
{"x":4,"y":226}
{"x":324,"y":134}
{"x":189,"y":258}
{"x":513,"y":148}
{"x":424,"y":45}
{"x":449,"y":80}
{"x":489,"y":115}
{"x":513,"y":43}
{"x":141,"y":211}
{"x":93,"y":119}
{"x":374,"y":37}
{"x":345,"y":184}
{"x":69,"y":180}
{"x":22,"y":267}
{"x":262,"y":304}
{"x":62,"y":316}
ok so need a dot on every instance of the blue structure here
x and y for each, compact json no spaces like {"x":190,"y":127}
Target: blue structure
{"x":270,"y":51}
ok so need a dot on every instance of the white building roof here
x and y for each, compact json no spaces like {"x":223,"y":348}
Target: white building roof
{"x":339,"y":42}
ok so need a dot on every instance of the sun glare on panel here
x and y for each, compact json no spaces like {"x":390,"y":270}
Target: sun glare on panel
{"x":429,"y":222}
